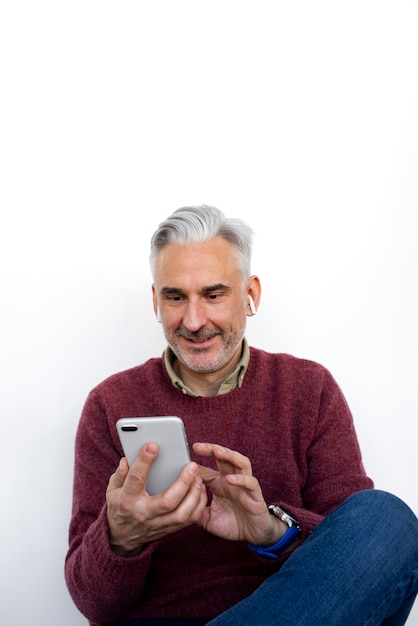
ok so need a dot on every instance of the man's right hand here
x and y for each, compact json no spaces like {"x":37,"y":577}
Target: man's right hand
{"x":135,"y":518}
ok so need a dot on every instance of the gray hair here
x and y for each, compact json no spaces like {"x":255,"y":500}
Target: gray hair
{"x":197,"y":224}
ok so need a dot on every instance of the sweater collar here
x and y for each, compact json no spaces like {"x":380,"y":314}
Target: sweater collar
{"x":235,"y":379}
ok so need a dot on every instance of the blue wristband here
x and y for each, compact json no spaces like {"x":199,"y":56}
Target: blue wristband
{"x":273,"y":551}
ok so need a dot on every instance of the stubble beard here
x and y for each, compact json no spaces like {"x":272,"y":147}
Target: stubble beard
{"x":231,"y":339}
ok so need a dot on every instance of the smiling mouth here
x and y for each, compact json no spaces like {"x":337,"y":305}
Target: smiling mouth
{"x":200,"y":345}
{"x":197,"y":337}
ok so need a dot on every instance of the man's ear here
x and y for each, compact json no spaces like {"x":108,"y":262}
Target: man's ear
{"x":155,"y":304}
{"x":254,"y":293}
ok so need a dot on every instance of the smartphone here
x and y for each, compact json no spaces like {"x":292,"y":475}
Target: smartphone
{"x":169,"y":433}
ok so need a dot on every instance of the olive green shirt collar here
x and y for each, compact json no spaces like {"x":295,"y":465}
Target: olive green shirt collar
{"x":234,"y":379}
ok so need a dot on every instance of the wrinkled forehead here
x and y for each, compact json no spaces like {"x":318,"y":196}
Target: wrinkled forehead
{"x":207,"y":263}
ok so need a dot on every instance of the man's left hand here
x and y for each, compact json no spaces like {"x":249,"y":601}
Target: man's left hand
{"x":238,"y":510}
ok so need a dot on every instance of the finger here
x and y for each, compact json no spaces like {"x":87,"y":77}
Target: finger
{"x":203,"y":449}
{"x":237,"y":462}
{"x":190,"y":511}
{"x":207,"y":473}
{"x":202,"y":499}
{"x":176,"y":492}
{"x":118,"y":478}
{"x":245,"y":481}
{"x":219,"y":453}
{"x":191,"y":508}
{"x":136,"y":480}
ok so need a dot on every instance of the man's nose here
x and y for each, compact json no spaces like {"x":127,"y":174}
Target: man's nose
{"x":195,"y":316}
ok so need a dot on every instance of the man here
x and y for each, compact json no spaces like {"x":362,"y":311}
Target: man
{"x":274,"y":520}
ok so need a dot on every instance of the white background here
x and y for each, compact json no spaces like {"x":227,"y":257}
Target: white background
{"x":300,"y":117}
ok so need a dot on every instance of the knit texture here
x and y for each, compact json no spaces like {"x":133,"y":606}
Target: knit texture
{"x":289,"y":417}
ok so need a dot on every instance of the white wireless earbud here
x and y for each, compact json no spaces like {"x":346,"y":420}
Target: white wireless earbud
{"x":252,"y":305}
{"x":157,"y":315}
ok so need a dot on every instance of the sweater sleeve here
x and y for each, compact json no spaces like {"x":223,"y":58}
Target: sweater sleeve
{"x":103,"y":585}
{"x":334,"y":467}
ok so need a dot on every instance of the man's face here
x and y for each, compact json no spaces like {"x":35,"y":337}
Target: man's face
{"x":202,"y":303}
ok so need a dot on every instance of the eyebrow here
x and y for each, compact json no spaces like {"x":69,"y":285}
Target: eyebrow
{"x":169,"y":291}
{"x":216,"y":287}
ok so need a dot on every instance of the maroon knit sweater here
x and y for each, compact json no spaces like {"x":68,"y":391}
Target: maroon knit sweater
{"x":289,"y":417}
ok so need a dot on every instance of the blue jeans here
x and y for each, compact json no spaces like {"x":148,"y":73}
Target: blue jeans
{"x":359,"y":567}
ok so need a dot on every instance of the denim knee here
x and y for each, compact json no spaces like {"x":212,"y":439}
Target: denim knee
{"x":387,"y":515}
{"x":382,"y":503}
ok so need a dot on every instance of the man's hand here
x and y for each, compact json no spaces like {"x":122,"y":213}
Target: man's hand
{"x":135,"y":518}
{"x":238,"y":510}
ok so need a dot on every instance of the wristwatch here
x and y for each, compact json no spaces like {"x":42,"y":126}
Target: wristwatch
{"x":283,"y":515}
{"x":286,"y":540}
